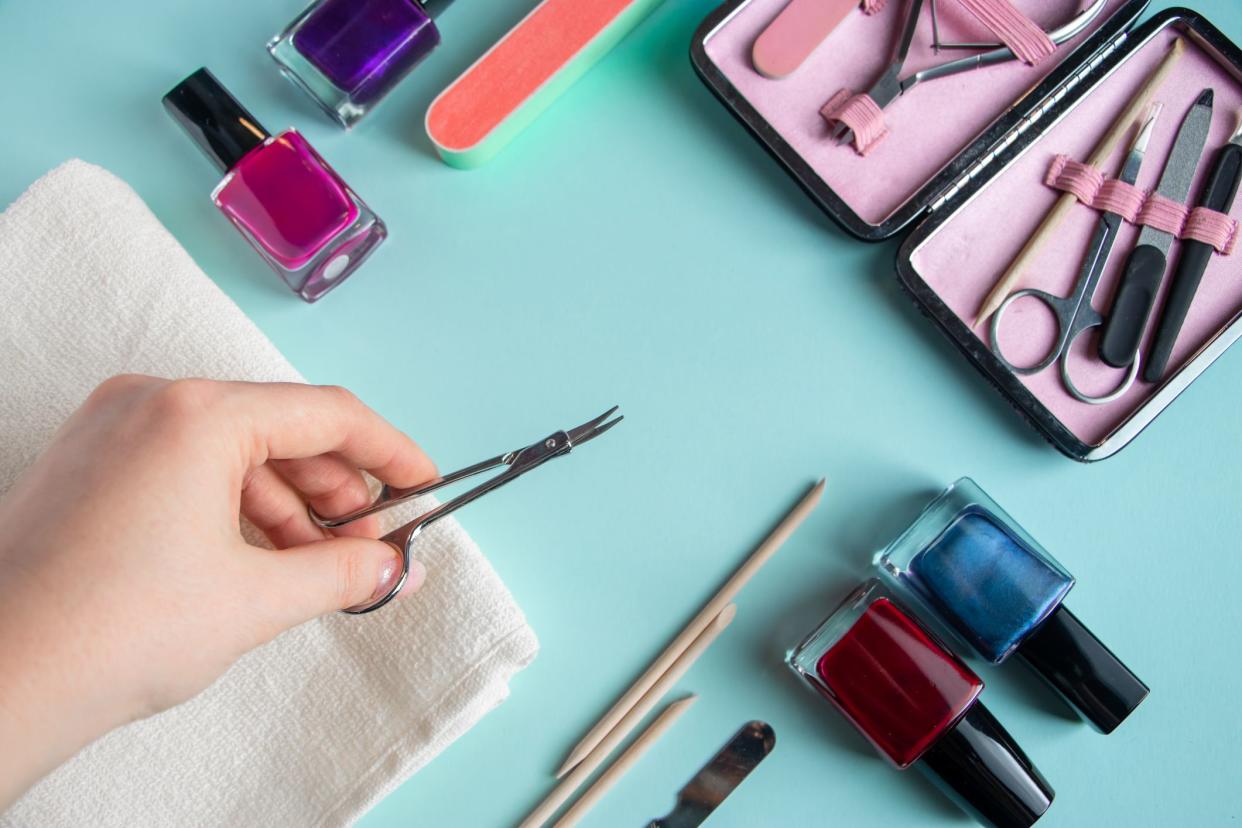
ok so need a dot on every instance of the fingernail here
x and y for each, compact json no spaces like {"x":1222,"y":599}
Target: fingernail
{"x":418,"y":574}
{"x":389,"y":574}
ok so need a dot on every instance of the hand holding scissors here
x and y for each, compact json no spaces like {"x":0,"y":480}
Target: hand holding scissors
{"x":1074,"y":313}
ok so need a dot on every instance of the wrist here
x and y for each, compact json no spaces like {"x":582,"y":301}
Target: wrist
{"x":48,"y":712}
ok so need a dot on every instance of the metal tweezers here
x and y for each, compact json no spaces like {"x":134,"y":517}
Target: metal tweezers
{"x":891,"y":85}
{"x":518,"y":462}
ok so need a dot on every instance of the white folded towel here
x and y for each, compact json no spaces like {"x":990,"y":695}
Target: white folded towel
{"x":315,"y":727}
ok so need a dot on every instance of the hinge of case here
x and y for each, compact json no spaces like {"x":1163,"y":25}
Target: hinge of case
{"x":1028,"y":122}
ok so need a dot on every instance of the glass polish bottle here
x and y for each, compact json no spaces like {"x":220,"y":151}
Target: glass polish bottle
{"x":292,"y":208}
{"x":348,"y":54}
{"x":918,"y":704}
{"x":964,"y":560}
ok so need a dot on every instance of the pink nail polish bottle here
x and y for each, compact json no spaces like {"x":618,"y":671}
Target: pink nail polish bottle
{"x":305,"y":222}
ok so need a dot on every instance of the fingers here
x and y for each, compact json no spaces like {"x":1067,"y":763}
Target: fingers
{"x":277,"y":510}
{"x":289,"y":421}
{"x":332,"y":487}
{"x":334,"y":574}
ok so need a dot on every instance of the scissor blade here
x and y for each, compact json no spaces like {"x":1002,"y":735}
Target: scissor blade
{"x":1179,"y":171}
{"x":593,"y":428}
{"x":717,"y":779}
{"x":1110,"y":223}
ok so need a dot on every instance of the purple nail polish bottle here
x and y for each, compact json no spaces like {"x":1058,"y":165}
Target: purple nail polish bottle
{"x":348,"y":54}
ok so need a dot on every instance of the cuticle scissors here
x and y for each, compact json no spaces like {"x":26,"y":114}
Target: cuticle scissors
{"x":1074,"y":313}
{"x":891,"y":85}
{"x":518,"y":462}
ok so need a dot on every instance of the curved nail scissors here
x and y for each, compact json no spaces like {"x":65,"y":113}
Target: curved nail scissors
{"x":517,"y":462}
{"x":1074,"y":313}
{"x":891,"y":85}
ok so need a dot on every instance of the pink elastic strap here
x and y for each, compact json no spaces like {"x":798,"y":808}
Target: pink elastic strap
{"x":1024,"y":38}
{"x":1211,"y":227}
{"x":1164,"y":214}
{"x":1094,"y":189}
{"x":1091,"y":187}
{"x":1080,"y":179}
{"x":873,"y":6}
{"x":860,"y":114}
{"x":1121,"y":198}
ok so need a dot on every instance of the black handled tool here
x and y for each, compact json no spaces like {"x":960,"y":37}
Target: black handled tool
{"x":1219,"y":194}
{"x":718,"y":778}
{"x":1136,"y":294}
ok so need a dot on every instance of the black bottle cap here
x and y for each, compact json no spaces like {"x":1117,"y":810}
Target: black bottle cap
{"x":1083,"y":670}
{"x":434,"y":7}
{"x":221,"y":126}
{"x":980,"y":767}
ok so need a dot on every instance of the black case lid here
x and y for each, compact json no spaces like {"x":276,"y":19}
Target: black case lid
{"x":981,"y":768}
{"x":223,"y":129}
{"x":1083,"y":670}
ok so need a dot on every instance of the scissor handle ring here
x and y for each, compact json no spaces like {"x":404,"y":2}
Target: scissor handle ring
{"x":1115,"y":394}
{"x":403,"y":549}
{"x":1056,"y":305}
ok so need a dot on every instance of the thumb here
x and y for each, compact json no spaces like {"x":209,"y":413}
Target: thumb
{"x":338,"y":573}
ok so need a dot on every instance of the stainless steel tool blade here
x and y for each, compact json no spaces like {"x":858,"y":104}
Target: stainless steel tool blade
{"x":718,"y":778}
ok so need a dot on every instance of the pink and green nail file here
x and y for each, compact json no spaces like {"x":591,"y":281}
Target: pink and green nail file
{"x":518,"y":78}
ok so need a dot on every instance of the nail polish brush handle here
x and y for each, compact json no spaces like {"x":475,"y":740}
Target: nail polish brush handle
{"x":1219,"y":195}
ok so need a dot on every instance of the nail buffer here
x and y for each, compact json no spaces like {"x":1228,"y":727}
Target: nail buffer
{"x":717,"y":779}
{"x":527,"y":69}
{"x":1140,"y":282}
{"x":794,"y":33}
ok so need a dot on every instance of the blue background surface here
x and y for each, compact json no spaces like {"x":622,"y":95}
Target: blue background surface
{"x":635,"y":246}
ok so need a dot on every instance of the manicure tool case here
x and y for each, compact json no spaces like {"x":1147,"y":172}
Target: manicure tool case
{"x":962,"y":169}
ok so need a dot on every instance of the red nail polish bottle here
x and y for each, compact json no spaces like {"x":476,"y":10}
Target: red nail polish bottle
{"x":918,"y":705}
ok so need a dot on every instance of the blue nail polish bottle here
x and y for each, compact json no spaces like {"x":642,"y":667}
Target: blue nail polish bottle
{"x":971,"y":565}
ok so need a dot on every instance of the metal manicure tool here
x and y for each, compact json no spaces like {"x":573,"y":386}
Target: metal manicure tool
{"x":1074,"y":313}
{"x":891,"y":85}
{"x":518,"y":462}
{"x":1144,"y":271}
{"x":717,"y":779}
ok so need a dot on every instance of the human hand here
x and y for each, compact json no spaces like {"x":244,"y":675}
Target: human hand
{"x":125,"y":585}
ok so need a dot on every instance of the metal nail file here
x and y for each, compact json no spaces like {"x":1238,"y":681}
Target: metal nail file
{"x":709,"y":787}
{"x":1140,"y":281}
{"x":1219,"y":194}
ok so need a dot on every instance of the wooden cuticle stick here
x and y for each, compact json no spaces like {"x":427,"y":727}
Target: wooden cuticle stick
{"x":591,"y":762}
{"x":713,"y":607}
{"x":625,"y":761}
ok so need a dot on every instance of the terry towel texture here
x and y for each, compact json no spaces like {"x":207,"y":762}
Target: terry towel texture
{"x":315,"y":727}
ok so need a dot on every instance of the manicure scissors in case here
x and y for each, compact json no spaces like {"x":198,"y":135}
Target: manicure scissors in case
{"x":517,"y":462}
{"x":1074,"y":313}
{"x":891,"y":85}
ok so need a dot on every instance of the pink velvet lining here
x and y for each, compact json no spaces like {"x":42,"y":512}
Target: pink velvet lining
{"x":988,"y":232}
{"x":928,"y":126}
